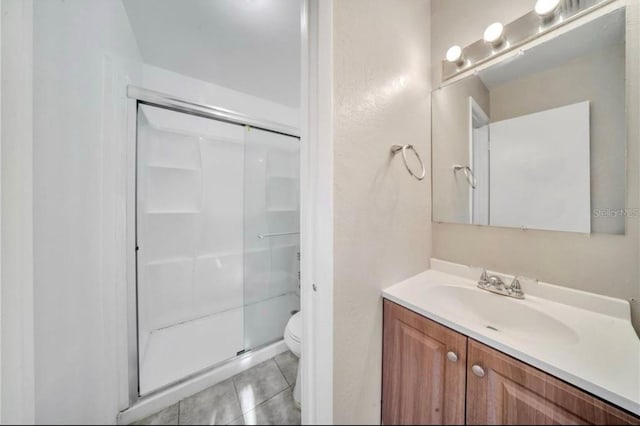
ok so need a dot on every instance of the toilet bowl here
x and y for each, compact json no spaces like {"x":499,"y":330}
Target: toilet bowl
{"x":293,"y":339}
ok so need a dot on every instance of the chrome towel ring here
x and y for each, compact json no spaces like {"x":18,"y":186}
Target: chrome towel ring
{"x":468,"y":174}
{"x":397,"y":148}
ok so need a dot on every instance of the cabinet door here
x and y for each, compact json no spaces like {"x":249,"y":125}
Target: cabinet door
{"x":424,"y":369}
{"x":502,"y":390}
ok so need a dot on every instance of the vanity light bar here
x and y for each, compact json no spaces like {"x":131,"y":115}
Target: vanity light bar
{"x":499,"y":38}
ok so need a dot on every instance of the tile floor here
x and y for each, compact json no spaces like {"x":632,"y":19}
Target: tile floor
{"x":261,"y":395}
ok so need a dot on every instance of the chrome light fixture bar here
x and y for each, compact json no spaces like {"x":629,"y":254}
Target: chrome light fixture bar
{"x":498,"y":39}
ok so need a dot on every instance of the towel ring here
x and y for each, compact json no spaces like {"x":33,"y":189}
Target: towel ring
{"x":468,"y":174}
{"x":396,"y":148}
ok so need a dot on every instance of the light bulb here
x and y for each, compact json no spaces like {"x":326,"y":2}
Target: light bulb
{"x":454,"y":55}
{"x":546,"y":8}
{"x":494,"y":34}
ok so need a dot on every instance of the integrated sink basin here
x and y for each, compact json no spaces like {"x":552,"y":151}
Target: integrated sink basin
{"x":500,"y":314}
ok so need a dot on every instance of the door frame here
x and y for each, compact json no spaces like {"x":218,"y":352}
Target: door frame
{"x":476,"y":113}
{"x":316,"y":186}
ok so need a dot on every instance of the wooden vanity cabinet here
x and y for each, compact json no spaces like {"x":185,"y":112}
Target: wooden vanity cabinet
{"x":434,"y":375}
{"x":424,"y":370}
{"x":505,"y":391}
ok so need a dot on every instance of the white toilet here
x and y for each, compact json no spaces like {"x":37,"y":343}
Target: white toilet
{"x":293,"y":339}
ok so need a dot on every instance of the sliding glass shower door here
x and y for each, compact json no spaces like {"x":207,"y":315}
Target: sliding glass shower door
{"x":271,"y":235}
{"x":207,"y":291}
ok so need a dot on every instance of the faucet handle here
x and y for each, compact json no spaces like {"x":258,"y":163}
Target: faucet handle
{"x":516,"y":289}
{"x":484,"y":279}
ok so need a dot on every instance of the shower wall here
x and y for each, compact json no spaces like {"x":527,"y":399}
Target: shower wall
{"x":213,"y":280}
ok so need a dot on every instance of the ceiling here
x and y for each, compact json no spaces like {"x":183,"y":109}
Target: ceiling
{"x":252,"y":46}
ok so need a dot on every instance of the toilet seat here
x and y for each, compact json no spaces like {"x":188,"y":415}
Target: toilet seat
{"x":293,"y":333}
{"x":293,"y":337}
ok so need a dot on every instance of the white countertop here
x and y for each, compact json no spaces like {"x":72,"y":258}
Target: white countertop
{"x":599,"y":351}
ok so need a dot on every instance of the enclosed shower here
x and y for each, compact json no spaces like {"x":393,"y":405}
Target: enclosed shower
{"x":218,"y":242}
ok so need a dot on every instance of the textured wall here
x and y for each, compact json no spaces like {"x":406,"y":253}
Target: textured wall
{"x":381,"y":214}
{"x":605,"y":264}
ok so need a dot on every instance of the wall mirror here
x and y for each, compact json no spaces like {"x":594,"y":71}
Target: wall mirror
{"x":537,"y":140}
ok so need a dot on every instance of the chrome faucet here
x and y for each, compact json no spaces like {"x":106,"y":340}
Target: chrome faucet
{"x":494,"y":284}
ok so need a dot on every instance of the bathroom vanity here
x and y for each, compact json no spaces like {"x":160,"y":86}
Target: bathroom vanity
{"x":533,"y":130}
{"x":455,"y":354}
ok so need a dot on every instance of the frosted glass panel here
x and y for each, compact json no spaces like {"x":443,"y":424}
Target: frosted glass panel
{"x":271,"y":266}
{"x":221,"y":222}
{"x":170,"y":190}
{"x":190,"y":238}
{"x":282,"y":194}
{"x":168,"y":303}
{"x":168,"y":236}
{"x":170,"y":149}
{"x":266,"y":319}
{"x":218,"y":283}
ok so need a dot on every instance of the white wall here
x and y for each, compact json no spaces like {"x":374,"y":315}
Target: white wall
{"x":205,"y":93}
{"x":381,"y":213}
{"x":17,"y":212}
{"x":77,"y":45}
{"x":249,"y":46}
